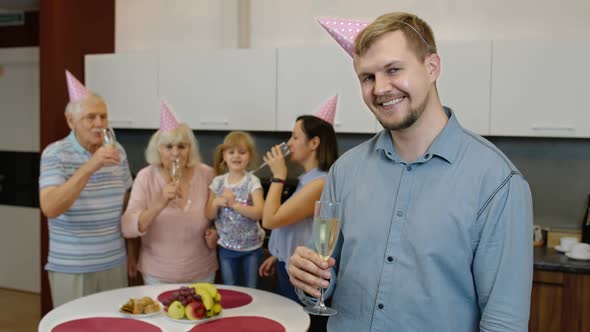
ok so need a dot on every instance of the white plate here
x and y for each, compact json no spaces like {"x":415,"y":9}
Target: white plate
{"x":199,"y":321}
{"x":578,"y":258}
{"x":559,"y":249}
{"x":140,"y":315}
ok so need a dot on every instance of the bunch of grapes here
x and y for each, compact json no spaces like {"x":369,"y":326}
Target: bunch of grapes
{"x":184,"y":295}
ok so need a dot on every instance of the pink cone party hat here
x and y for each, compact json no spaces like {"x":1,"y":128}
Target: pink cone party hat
{"x":167,"y":118}
{"x":344,"y":31}
{"x":328,"y":110}
{"x":76,"y":90}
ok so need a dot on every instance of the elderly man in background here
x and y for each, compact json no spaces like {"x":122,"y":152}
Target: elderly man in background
{"x":83,"y":188}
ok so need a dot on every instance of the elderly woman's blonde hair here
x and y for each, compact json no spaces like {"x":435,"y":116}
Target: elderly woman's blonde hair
{"x":180,"y":134}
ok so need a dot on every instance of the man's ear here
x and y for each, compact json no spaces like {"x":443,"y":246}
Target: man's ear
{"x":433,"y":66}
{"x":70,"y":120}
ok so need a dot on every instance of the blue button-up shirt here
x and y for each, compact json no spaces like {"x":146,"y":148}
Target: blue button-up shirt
{"x":440,"y":244}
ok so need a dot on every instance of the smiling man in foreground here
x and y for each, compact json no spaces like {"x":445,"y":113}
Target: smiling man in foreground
{"x":436,"y":221}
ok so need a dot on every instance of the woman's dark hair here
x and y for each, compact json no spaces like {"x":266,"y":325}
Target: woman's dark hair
{"x":328,"y":149}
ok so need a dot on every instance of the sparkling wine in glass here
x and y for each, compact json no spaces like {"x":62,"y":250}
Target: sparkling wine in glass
{"x":108,"y":137}
{"x":175,"y":170}
{"x":284,"y":151}
{"x":109,"y":140}
{"x":326,"y":228}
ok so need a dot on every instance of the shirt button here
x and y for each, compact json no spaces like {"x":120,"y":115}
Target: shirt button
{"x":380,"y":306}
{"x":427,"y":156}
{"x":390,"y":259}
{"x":399,"y":213}
{"x":409,"y":168}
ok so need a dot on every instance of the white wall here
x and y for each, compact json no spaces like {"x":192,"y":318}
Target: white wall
{"x":19,"y":131}
{"x":153,"y":24}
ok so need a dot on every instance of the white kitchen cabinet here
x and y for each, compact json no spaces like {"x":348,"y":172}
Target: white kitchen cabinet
{"x":129,"y":84}
{"x":539,"y":88}
{"x":221,"y":89}
{"x":464,"y":82}
{"x":308,"y":77}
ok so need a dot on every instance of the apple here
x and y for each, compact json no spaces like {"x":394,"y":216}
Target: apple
{"x":195,"y":310}
{"x":176,"y":310}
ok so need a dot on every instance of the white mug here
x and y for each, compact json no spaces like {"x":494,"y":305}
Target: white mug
{"x":567,"y":242}
{"x":581,"y":250}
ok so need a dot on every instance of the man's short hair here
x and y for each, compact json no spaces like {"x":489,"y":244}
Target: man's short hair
{"x":418,"y":33}
{"x":75,"y":108}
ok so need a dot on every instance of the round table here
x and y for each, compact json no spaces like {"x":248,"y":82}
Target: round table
{"x":107,"y":304}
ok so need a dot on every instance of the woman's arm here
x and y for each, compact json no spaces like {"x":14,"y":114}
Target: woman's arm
{"x":296,"y":208}
{"x":213,"y":204}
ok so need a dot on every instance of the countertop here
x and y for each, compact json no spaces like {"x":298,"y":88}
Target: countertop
{"x":548,"y":259}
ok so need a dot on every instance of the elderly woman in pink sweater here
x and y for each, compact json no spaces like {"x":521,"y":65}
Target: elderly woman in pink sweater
{"x":177,"y":245}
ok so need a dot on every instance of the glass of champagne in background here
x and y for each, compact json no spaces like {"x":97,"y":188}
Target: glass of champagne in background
{"x":175,"y":170}
{"x":109,"y":140}
{"x":108,"y":137}
{"x":326,"y":228}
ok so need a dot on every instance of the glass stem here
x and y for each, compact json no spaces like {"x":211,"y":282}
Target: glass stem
{"x":321,"y":306}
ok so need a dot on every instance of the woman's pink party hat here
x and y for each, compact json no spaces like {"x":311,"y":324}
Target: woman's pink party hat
{"x":344,"y":31}
{"x":76,"y":90}
{"x":328,"y":110}
{"x":167,"y":119}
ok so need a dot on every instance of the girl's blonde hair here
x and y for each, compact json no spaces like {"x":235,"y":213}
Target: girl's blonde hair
{"x":180,"y":134}
{"x":234,"y":139}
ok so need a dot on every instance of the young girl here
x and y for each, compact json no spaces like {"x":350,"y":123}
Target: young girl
{"x":236,"y":202}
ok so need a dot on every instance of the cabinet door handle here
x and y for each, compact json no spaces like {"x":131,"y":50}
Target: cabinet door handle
{"x":215,"y":122}
{"x":553,"y":128}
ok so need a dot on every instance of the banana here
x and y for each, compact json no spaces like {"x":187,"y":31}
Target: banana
{"x":208,"y":287}
{"x":216,"y":308}
{"x":205,"y":297}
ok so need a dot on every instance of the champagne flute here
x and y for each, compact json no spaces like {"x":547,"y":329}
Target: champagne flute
{"x":109,"y":140}
{"x":284,"y":151}
{"x":175,"y":170}
{"x":326,"y":229}
{"x":108,"y":137}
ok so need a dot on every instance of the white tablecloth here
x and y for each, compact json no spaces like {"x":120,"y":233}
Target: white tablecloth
{"x":107,"y":304}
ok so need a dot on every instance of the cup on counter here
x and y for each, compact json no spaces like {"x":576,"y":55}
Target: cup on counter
{"x":567,"y":242}
{"x":581,"y":250}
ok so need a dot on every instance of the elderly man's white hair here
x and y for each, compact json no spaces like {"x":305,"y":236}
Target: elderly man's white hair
{"x":75,"y":108}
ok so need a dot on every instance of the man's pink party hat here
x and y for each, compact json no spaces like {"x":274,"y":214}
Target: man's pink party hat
{"x":344,"y":31}
{"x":167,"y":119}
{"x":328,"y":110}
{"x":76,"y":90}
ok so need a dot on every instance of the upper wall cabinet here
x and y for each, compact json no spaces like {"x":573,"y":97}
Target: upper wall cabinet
{"x":539,"y":88}
{"x":129,"y":85}
{"x":308,"y":77}
{"x":221,"y":89}
{"x":464,"y":82}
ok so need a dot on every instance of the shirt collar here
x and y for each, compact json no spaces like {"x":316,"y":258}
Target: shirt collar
{"x":74,"y":141}
{"x":446,"y":145}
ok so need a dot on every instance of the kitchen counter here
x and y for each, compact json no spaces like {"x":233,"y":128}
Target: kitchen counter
{"x":548,"y":259}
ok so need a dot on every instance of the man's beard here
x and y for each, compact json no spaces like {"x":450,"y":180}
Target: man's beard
{"x":411,"y":118}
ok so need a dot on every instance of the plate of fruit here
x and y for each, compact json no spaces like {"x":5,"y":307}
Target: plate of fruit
{"x":193,"y":304}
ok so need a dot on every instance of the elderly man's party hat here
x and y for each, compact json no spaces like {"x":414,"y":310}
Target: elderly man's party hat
{"x":76,"y":90}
